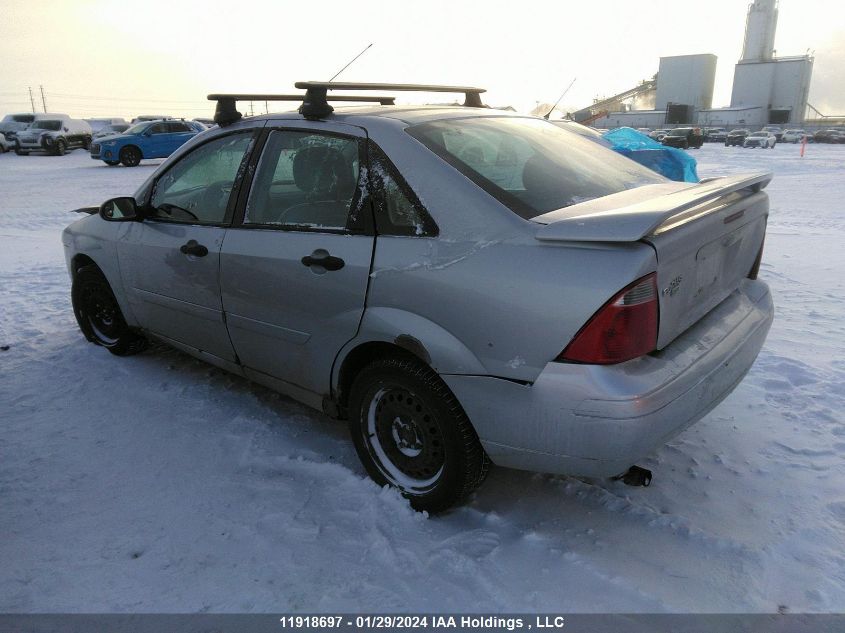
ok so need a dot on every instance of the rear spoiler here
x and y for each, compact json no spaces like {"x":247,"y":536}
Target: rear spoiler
{"x":634,"y":214}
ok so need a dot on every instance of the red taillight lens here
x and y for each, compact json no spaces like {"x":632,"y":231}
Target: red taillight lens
{"x":624,"y":328}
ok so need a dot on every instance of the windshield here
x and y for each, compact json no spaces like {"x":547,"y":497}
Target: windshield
{"x":22,"y":118}
{"x":47,"y":125}
{"x":531,"y":166}
{"x":138,"y":128}
{"x":740,"y":131}
{"x":681,"y":131}
{"x":758,"y":135}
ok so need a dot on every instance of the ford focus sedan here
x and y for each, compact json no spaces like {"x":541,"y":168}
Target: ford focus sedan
{"x":461,"y":285}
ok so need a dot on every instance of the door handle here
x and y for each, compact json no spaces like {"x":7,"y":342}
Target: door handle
{"x":194,"y":248}
{"x":322,"y":259}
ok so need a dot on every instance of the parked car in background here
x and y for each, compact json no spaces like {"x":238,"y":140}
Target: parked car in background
{"x":206,"y":122}
{"x":336,"y":270}
{"x":715,"y":135}
{"x":54,"y":136}
{"x":101,"y":123}
{"x":774,"y":129}
{"x":829,"y":136}
{"x":151,"y":117}
{"x":736,"y":137}
{"x":14,"y":123}
{"x":793,"y":136}
{"x":148,"y":139}
{"x":657,"y":135}
{"x":684,"y":138}
{"x":761,"y":138}
{"x":5,"y":144}
{"x":112,"y":129}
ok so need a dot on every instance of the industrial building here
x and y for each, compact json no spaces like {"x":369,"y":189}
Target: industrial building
{"x":766,"y":89}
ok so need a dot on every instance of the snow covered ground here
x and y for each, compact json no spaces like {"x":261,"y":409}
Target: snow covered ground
{"x":159,"y":484}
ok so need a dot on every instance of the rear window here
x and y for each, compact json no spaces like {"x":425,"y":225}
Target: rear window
{"x":531,"y":166}
{"x":23,"y":118}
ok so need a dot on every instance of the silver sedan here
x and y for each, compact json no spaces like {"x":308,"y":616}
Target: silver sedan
{"x":464,"y":286}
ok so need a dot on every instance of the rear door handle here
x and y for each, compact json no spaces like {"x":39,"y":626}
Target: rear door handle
{"x":321,"y":258}
{"x":192,"y":247}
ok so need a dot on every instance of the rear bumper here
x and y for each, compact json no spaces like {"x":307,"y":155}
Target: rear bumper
{"x":597,"y":420}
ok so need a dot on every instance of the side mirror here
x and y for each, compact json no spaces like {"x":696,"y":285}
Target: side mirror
{"x":121,"y":209}
{"x":65,"y":129}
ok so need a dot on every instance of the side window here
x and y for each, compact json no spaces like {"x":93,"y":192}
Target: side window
{"x":397,"y":209}
{"x":196,"y":189}
{"x":158,"y":128}
{"x":306,"y":180}
{"x":177,"y":126}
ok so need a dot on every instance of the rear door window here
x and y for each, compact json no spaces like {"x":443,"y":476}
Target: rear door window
{"x":306,"y":180}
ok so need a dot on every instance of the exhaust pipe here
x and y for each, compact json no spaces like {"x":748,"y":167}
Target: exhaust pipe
{"x":635,"y":476}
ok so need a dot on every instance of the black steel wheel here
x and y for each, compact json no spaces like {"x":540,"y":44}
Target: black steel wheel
{"x":98,"y":314}
{"x":410,"y":432}
{"x":61,"y":147}
{"x":130,"y":156}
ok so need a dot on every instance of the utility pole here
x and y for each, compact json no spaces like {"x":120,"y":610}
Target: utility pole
{"x":43,"y":100}
{"x":31,"y":100}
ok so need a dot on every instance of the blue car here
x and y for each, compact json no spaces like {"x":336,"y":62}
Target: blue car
{"x":149,"y":139}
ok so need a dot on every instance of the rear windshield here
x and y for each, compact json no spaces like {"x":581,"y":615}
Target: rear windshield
{"x":23,"y":118}
{"x":531,"y":166}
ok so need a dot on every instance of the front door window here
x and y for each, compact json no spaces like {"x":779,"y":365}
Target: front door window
{"x":196,"y":190}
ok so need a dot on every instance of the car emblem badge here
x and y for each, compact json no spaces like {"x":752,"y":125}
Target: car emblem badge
{"x":673,"y":286}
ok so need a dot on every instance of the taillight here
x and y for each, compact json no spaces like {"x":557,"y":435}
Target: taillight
{"x":624,"y":328}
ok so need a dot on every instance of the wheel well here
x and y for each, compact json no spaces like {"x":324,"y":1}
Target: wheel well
{"x":81,"y":261}
{"x":359,"y":358}
{"x":132,"y":147}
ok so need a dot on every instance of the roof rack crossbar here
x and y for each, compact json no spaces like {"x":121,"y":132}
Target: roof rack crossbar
{"x":316,"y":100}
{"x":225,"y":113}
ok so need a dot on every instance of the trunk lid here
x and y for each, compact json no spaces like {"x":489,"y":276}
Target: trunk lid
{"x":706,"y":237}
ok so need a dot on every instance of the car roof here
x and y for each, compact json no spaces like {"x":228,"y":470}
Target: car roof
{"x":409,"y":114}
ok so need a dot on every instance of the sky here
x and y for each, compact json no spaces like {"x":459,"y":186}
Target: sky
{"x":110,"y":58}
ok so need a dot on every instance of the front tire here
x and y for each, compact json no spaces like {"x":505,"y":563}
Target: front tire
{"x":130,"y":156}
{"x":98,"y":314}
{"x":411,"y":432}
{"x":112,"y":163}
{"x":21,"y":152}
{"x":61,"y":147}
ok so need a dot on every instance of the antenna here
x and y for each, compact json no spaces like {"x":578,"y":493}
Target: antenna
{"x":549,"y":113}
{"x":31,"y":99}
{"x":43,"y":100}
{"x":350,"y":63}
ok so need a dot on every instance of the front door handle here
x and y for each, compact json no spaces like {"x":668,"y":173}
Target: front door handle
{"x":321,"y":258}
{"x":194,"y":248}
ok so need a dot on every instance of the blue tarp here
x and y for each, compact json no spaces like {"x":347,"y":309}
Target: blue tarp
{"x":675,"y":164}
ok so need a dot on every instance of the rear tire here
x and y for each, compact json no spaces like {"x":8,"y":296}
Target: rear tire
{"x":411,"y":432}
{"x":98,"y":314}
{"x":130,"y":156}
